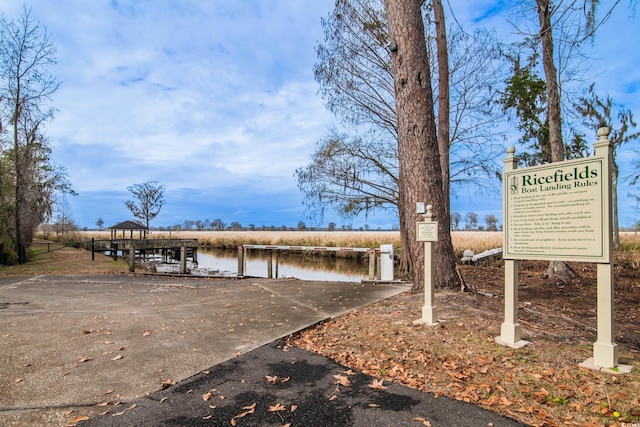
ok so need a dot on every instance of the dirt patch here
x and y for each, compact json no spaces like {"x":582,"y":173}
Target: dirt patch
{"x":541,"y":384}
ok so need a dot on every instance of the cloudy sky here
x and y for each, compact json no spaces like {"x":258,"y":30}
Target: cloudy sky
{"x":216,"y":100}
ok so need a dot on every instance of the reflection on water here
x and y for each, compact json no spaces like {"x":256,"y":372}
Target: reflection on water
{"x":290,"y":264}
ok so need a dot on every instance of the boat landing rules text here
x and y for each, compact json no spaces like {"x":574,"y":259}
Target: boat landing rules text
{"x":556,"y":211}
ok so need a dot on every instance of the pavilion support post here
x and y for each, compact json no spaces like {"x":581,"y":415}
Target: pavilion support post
{"x":132,"y":259}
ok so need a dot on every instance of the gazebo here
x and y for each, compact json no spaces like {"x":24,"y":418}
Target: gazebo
{"x":129,"y":226}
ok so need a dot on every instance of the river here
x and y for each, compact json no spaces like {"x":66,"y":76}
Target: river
{"x":290,"y":265}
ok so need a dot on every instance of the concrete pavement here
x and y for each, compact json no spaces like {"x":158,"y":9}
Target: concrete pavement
{"x":142,"y":350}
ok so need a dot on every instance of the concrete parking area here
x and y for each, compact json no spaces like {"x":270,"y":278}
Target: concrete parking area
{"x":72,"y":343}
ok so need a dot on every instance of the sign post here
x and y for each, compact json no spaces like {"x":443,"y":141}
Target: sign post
{"x":427,"y":232}
{"x":510,"y":331}
{"x":561,"y":211}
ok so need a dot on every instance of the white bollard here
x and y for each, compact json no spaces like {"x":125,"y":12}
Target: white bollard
{"x":386,"y":263}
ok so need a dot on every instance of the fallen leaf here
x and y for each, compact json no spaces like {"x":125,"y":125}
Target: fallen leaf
{"x":342,"y":380}
{"x":276,"y":380}
{"x":83,"y":359}
{"x":118,"y":357}
{"x":132,"y":407}
{"x":377,"y":384}
{"x":79,"y":419}
{"x":109,"y":391}
{"x":248,"y":410}
{"x":19,"y":380}
{"x":423,"y":421}
{"x":163,"y":399}
{"x":102,"y":404}
{"x":334,"y":397}
{"x":373,"y":405}
{"x":208,"y":417}
{"x":207,"y":396}
{"x":505,"y":402}
{"x":146,"y":333}
{"x":294,"y":407}
{"x":109,"y":342}
{"x":167,"y":383}
{"x":277,"y":408}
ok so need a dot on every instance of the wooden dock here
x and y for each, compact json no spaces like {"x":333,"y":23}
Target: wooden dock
{"x":169,"y":249}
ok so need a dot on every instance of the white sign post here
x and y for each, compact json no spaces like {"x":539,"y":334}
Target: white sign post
{"x":561,"y":211}
{"x":427,"y":232}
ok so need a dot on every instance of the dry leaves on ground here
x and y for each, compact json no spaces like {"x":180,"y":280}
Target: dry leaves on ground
{"x":540,"y":385}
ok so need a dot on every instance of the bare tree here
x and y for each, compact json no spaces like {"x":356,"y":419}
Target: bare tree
{"x":471,"y":221}
{"x":357,"y":171}
{"x":27,"y":179}
{"x":455,"y":221}
{"x":149,"y":199}
{"x":420,"y":175}
{"x":562,"y":28}
{"x":599,"y":112}
{"x":492,"y":222}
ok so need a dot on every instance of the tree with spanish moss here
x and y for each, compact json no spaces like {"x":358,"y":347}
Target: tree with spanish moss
{"x":28,"y":179}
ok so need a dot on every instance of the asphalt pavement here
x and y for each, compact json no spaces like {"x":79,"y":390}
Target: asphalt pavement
{"x":129,"y":350}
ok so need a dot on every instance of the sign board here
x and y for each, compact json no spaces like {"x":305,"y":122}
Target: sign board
{"x":557,"y":211}
{"x":427,"y":231}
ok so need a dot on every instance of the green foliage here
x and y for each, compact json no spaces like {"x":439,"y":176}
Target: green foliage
{"x":525,"y":93}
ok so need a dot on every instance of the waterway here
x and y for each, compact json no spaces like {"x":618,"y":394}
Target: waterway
{"x":290,"y":265}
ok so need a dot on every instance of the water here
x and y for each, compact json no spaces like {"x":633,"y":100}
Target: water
{"x":290,"y":265}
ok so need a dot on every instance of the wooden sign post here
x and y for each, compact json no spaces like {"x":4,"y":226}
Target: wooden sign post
{"x":427,"y":232}
{"x":561,"y":211}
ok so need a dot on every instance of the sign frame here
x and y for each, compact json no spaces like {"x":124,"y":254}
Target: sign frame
{"x":558,"y":211}
{"x":427,"y":231}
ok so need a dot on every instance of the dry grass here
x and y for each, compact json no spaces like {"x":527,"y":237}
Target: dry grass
{"x":478,"y":241}
{"x":66,"y":261}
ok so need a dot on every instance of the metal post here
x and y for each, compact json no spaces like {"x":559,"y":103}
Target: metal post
{"x":93,"y":249}
{"x":270,"y":265}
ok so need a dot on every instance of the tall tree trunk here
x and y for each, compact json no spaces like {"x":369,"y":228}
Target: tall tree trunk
{"x":405,"y":268}
{"x":418,"y":156}
{"x":443,"y":101}
{"x":551,"y":79}
{"x":614,"y":205}
{"x":558,"y":269}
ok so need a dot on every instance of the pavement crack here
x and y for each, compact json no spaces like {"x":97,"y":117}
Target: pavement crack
{"x":295,"y":302}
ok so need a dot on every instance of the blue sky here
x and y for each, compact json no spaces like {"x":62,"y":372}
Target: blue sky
{"x":216,"y":100}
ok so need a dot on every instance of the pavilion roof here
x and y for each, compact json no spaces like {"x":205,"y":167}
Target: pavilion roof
{"x":128,"y":225}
